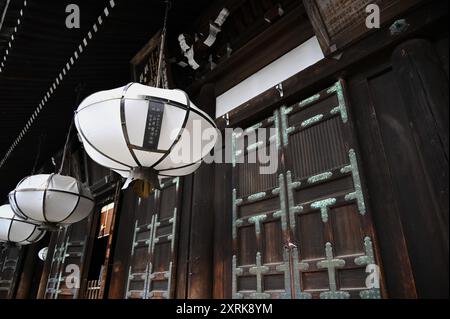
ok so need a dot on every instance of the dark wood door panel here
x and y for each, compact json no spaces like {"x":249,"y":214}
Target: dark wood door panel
{"x":306,"y":230}
{"x":151,"y":270}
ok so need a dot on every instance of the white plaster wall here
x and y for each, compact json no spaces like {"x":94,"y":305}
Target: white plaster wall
{"x":296,"y":60}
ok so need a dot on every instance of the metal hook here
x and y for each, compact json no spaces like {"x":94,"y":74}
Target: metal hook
{"x":279,"y":88}
{"x":227,"y":118}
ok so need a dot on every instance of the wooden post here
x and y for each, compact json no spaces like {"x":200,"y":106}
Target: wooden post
{"x":200,"y":258}
{"x":31,"y":271}
{"x":423,"y":85}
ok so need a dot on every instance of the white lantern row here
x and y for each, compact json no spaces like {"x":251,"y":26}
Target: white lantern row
{"x":16,"y":229}
{"x":138,"y":131}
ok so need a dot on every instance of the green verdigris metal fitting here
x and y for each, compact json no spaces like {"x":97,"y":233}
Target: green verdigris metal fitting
{"x":323,"y":205}
{"x":236,"y":222}
{"x":358,"y":193}
{"x":236,"y":271}
{"x":293,"y":210}
{"x":331,"y":264}
{"x":312,"y":120}
{"x":309,"y":100}
{"x":171,"y":237}
{"x":320,"y":177}
{"x":298,"y":267}
{"x":256,"y":197}
{"x":280,"y":191}
{"x":286,"y":269}
{"x":284,"y":126}
{"x":368,"y":259}
{"x":259,"y":270}
{"x":339,"y":90}
{"x":257,"y":220}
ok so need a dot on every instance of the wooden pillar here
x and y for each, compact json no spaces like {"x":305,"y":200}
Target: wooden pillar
{"x":31,"y":273}
{"x":183,"y":239}
{"x":423,"y":85}
{"x":222,"y":231}
{"x":125,"y":214}
{"x":47,"y":265}
{"x":200,"y":260}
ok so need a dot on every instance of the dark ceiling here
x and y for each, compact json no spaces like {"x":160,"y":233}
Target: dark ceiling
{"x":42,"y":46}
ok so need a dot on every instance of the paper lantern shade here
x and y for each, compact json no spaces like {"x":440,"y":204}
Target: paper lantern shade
{"x":51,"y":199}
{"x":17,"y":230}
{"x":138,"y":126}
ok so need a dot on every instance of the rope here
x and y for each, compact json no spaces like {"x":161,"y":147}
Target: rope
{"x":38,"y":154}
{"x":78,"y":90}
{"x":162,"y":44}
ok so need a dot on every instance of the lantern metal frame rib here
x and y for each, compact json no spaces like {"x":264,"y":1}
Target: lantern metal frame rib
{"x":17,"y":210}
{"x":13,"y":202}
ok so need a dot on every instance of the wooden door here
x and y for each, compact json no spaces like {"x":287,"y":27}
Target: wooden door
{"x":153,"y":256}
{"x":259,"y":219}
{"x":306,"y":231}
{"x":67,"y":259}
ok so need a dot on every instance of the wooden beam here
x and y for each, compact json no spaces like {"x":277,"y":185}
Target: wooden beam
{"x":292,"y":30}
{"x":329,"y":70}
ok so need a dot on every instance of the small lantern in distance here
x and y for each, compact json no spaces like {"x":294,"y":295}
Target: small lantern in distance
{"x":53,"y":200}
{"x":14,"y":229}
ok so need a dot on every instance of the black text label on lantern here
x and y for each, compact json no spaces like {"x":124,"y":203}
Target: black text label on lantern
{"x":153,"y":125}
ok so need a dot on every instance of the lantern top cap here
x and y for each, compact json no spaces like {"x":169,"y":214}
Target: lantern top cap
{"x":134,"y":91}
{"x":54,"y":182}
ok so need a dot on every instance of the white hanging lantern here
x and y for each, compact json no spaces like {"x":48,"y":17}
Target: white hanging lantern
{"x":53,"y":200}
{"x":141,"y":131}
{"x":42,"y":254}
{"x":15,"y":229}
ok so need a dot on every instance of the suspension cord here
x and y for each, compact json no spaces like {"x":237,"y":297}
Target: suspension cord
{"x":78,"y":90}
{"x":38,"y":154}
{"x":66,"y":145}
{"x":162,"y":44}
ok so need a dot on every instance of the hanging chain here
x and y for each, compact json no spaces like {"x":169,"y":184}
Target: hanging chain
{"x":66,"y":145}
{"x":78,"y":90}
{"x":162,"y":44}
{"x":38,"y":154}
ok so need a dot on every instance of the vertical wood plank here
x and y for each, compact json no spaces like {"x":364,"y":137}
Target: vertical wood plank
{"x":424,"y":89}
{"x":202,"y":219}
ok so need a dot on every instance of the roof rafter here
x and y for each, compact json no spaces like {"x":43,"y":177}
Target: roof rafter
{"x":59,"y":78}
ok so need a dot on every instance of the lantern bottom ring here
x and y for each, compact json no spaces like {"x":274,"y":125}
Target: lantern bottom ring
{"x":49,"y":227}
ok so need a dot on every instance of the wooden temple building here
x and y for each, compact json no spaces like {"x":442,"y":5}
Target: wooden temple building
{"x":360,"y":113}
